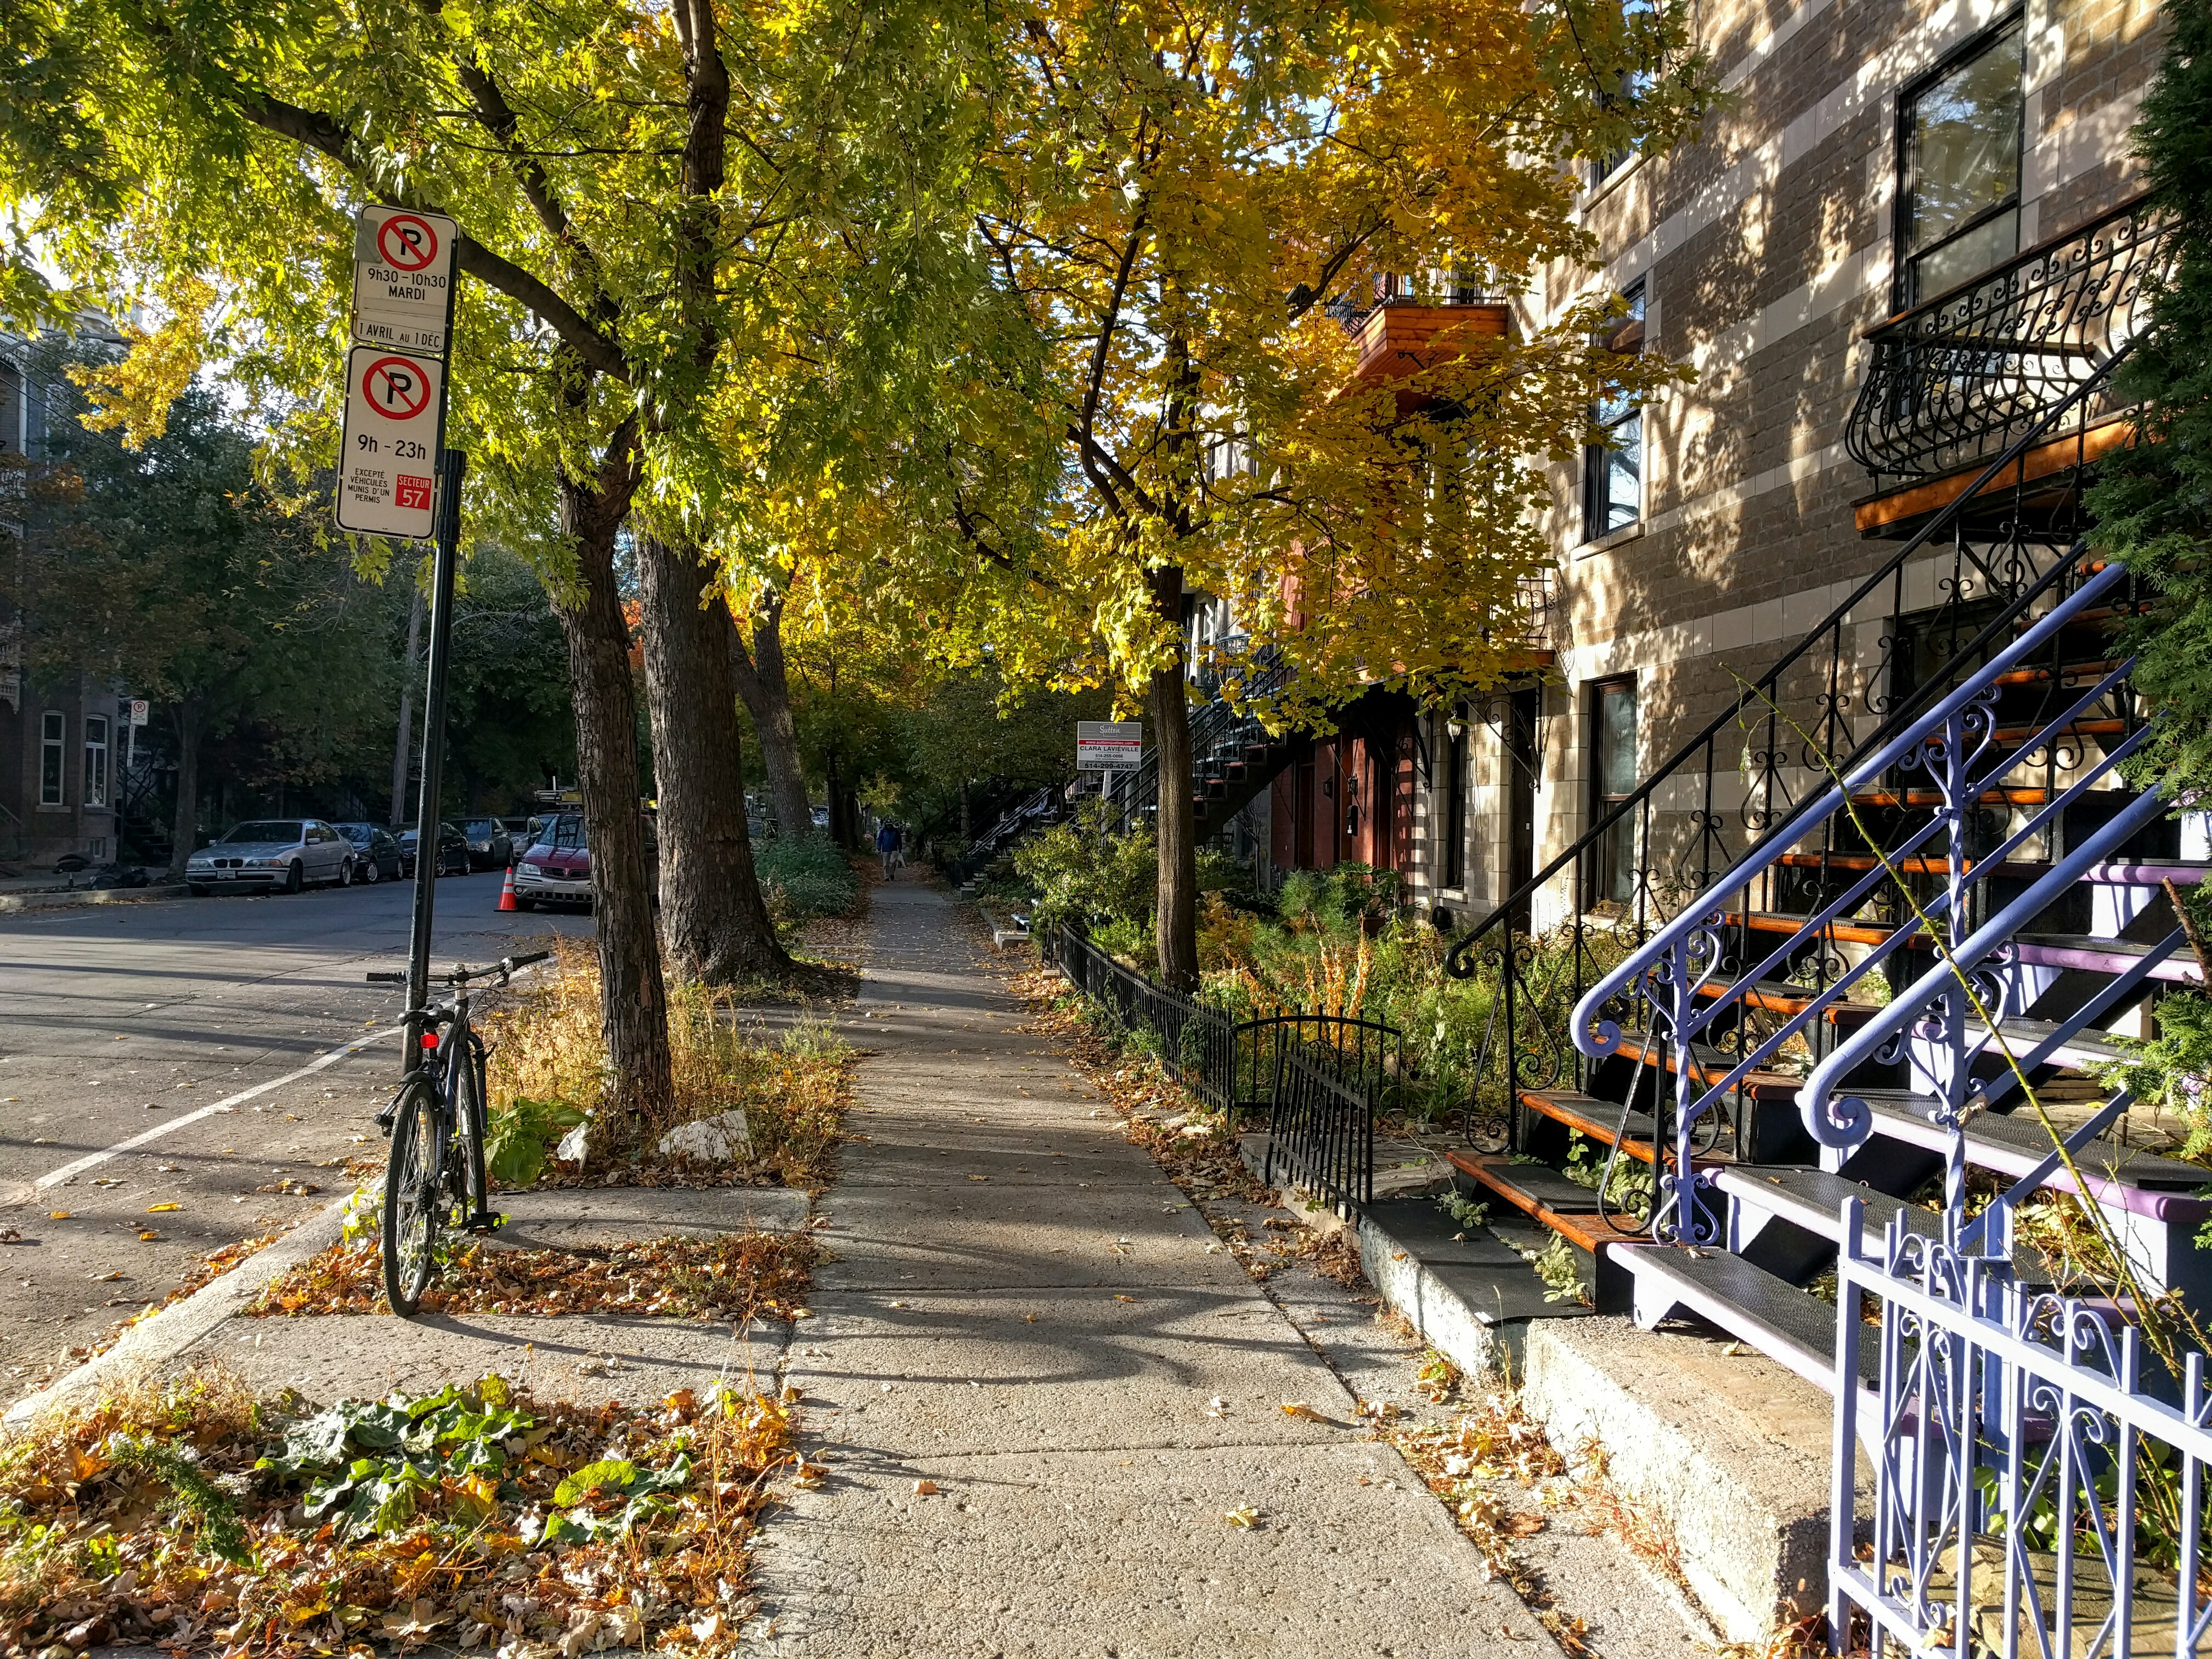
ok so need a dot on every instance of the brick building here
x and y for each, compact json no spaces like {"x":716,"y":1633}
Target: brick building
{"x":63,"y":736}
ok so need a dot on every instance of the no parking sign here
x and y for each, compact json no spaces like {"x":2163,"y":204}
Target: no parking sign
{"x":388,"y":463}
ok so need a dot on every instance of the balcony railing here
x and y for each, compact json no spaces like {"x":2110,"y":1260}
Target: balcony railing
{"x":1954,"y":381}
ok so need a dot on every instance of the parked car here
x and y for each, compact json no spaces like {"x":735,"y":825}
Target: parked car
{"x":376,"y":855}
{"x":489,"y":846}
{"x":557,"y":869}
{"x":453,"y":852}
{"x":272,"y":853}
{"x":523,"y":832}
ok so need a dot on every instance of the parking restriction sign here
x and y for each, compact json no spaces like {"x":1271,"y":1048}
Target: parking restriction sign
{"x":388,"y":462}
{"x":402,"y":279}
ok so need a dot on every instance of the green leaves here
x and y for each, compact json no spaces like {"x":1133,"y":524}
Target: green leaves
{"x":518,"y":1134}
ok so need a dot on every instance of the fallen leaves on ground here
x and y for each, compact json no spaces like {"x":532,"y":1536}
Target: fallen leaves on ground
{"x":735,"y":1277}
{"x":200,"y":1518}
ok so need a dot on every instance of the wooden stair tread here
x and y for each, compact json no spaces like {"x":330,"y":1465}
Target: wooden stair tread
{"x":2072,"y":673}
{"x":1540,"y":1192}
{"x":1788,"y":1001}
{"x":1710,"y":1066}
{"x":1595,"y":1118}
{"x":1773,"y":922}
{"x":1920,"y":798}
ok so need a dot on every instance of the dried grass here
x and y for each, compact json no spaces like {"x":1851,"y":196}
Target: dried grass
{"x":546,"y":1046}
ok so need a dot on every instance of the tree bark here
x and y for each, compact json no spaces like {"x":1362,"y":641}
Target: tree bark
{"x":763,"y":682}
{"x":714,"y":925}
{"x":1177,"y":916}
{"x":633,"y":1006}
{"x":184,"y":824}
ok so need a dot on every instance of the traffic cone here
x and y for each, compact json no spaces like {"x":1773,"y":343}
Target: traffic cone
{"x":507,"y":890}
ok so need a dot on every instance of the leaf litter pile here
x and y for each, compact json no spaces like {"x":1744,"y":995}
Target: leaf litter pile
{"x":199,"y":1519}
{"x":737,"y":1277}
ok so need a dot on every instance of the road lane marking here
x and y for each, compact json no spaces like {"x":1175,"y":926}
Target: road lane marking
{"x":94,"y":1160}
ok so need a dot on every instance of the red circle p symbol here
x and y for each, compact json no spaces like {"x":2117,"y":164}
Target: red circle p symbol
{"x":407,"y":242}
{"x":396,"y":387}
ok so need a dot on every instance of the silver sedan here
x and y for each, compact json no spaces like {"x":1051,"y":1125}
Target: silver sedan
{"x":265,"y":854}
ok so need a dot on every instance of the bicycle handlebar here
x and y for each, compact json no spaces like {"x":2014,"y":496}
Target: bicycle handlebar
{"x":504,"y":967}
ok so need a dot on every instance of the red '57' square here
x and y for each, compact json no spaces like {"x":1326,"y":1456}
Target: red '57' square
{"x":413,"y":491}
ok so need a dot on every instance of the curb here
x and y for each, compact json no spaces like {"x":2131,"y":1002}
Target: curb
{"x":167,"y":1333}
{"x":69,"y":898}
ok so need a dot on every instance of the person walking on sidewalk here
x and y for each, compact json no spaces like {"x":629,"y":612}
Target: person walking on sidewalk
{"x":887,"y":844}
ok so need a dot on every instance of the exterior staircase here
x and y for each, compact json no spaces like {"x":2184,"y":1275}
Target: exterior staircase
{"x":1885,"y":1008}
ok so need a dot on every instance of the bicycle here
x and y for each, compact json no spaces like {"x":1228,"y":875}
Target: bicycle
{"x":436,"y":1123}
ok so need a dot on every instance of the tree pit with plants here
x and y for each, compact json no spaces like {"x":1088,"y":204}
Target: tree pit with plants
{"x":198,"y":1517}
{"x":549,"y":1065}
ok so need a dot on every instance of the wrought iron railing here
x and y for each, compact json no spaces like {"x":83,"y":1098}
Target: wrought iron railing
{"x":1730,"y":794}
{"x":2033,"y":1495}
{"x":1320,"y":1077}
{"x":1320,"y":1133}
{"x":1955,"y":380}
{"x":1223,"y":733}
{"x":1699,"y":975}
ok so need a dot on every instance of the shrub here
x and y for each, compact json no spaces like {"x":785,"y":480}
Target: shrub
{"x":803,"y":879}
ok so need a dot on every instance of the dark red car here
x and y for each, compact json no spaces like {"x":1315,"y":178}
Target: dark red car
{"x":557,"y":869}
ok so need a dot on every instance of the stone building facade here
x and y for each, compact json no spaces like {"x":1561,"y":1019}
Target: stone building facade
{"x":1867,"y":157}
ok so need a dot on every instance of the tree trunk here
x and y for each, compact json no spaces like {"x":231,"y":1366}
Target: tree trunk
{"x":715,"y":925}
{"x":634,"y":1005}
{"x":184,"y":826}
{"x":764,"y":684}
{"x":1177,"y":916}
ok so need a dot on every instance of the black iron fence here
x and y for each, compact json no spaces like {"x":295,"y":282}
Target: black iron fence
{"x":1320,"y":1078}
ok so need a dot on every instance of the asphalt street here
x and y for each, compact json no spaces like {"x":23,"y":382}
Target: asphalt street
{"x":125,"y":1022}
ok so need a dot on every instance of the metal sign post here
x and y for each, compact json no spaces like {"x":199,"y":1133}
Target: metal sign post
{"x":430,"y":815}
{"x":396,"y":478}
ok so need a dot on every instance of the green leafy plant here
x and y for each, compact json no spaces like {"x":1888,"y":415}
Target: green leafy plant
{"x":1468,"y":1212}
{"x":520,"y":1133}
{"x":217,"y":1531}
{"x":1561,"y":1270}
{"x":803,"y":879}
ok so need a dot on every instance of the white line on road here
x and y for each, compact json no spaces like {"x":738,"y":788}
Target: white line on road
{"x":53,"y":1177}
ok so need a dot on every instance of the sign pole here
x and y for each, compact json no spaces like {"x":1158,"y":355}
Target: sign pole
{"x":429,"y":812}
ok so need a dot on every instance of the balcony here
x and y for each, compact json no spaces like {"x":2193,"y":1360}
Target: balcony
{"x":1397,"y":333}
{"x":1955,"y":381}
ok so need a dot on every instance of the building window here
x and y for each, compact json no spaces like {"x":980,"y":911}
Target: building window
{"x":1455,"y":781}
{"x":1613,"y":471}
{"x":51,"y":727}
{"x":1639,"y":15}
{"x":1959,"y":144}
{"x":1612,"y":778}
{"x":95,"y":760}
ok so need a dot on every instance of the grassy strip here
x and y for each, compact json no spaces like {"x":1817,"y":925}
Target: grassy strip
{"x":204,"y":1519}
{"x":548,"y":1062}
{"x":738,"y":1277}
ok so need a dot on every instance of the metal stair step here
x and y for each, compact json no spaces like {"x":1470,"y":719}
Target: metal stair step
{"x":1793,"y":1328}
{"x":2082,"y":1049}
{"x":2096,"y":956}
{"x":1814,"y":1200}
{"x":1595,"y":1118}
{"x":1711,"y":1065}
{"x":2015,"y":1144}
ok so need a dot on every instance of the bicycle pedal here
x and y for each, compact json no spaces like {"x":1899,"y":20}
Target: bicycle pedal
{"x":485,"y":1225}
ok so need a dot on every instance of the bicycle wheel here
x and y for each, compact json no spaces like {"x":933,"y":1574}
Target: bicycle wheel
{"x":469,"y":1134}
{"x":411,"y":1199}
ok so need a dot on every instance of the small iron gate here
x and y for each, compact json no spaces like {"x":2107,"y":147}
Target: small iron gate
{"x":2034,"y":1493}
{"x":1318,"y":1077}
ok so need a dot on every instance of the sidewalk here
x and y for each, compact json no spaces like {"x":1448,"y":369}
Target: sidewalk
{"x":1026,"y":1314}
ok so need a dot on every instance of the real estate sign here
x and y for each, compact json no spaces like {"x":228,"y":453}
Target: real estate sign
{"x":1109,"y":745}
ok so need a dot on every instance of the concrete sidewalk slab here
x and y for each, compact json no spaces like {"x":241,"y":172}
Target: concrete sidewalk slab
{"x":1084,"y":1486}
{"x":1065,"y":1370}
{"x":575,"y":1217}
